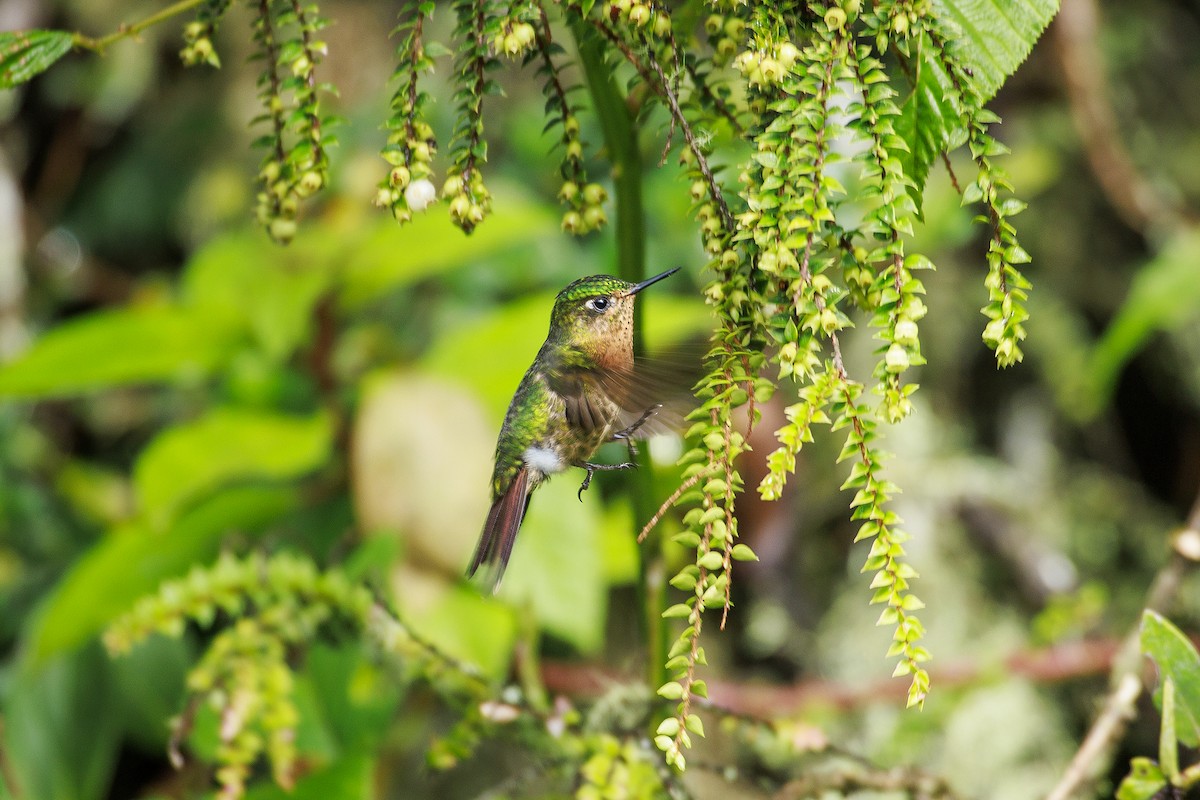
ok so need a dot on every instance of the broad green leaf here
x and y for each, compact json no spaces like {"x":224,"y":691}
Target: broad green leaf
{"x":1164,"y":295}
{"x":464,"y":624}
{"x":355,"y":695}
{"x":225,"y":445}
{"x":350,"y":777}
{"x":119,"y":347}
{"x":995,"y":36}
{"x":62,"y":727}
{"x":25,"y":54}
{"x":556,"y":563}
{"x":248,"y":281}
{"x":929,"y":120}
{"x":991,"y":38}
{"x":132,"y":561}
{"x":1178,"y":660}
{"x":1143,"y":782}
{"x":149,"y":684}
{"x":491,"y":354}
{"x":390,"y":256}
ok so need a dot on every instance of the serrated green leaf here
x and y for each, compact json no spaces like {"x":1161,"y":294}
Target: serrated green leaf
{"x":26,"y":54}
{"x":995,"y":36}
{"x":929,"y":120}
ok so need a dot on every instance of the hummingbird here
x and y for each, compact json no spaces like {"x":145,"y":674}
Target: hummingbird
{"x":579,"y":393}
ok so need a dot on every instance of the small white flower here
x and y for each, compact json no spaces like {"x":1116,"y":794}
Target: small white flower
{"x":419,"y":194}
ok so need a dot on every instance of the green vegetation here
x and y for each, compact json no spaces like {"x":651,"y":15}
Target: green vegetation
{"x":255,"y":361}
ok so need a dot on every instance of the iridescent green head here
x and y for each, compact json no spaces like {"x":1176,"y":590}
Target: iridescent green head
{"x":596,"y":314}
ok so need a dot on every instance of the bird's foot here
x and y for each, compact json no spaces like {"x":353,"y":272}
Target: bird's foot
{"x":591,"y":470}
{"x":627,"y":433}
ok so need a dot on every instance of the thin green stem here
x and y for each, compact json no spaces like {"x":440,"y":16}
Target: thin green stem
{"x":132,"y":29}
{"x":621,"y":139}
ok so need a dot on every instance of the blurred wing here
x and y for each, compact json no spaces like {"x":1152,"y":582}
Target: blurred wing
{"x":664,"y":379}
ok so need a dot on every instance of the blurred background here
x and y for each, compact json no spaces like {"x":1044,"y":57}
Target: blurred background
{"x":177,"y":386}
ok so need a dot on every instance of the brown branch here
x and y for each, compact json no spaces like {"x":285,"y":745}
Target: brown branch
{"x":1095,"y":753}
{"x":1061,"y":662}
{"x":1135,"y":198}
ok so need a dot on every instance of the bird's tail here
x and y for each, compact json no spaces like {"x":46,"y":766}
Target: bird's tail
{"x":500,"y":531}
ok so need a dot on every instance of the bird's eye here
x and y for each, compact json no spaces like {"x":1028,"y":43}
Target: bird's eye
{"x":598,"y":304}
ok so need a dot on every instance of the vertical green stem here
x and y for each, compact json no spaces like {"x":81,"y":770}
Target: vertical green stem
{"x":621,"y":138}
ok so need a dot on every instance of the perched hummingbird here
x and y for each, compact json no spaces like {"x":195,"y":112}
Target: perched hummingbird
{"x":579,"y":394}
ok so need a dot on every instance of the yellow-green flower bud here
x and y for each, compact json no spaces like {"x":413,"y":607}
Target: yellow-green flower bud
{"x":896,"y":359}
{"x":282,"y":230}
{"x":787,"y":55}
{"x":594,"y":217}
{"x":594,"y":194}
{"x":905,"y":332}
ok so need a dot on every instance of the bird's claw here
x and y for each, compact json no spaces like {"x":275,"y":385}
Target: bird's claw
{"x":591,"y":470}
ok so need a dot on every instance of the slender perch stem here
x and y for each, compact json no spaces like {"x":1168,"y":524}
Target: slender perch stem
{"x":621,"y":138}
{"x":132,"y":29}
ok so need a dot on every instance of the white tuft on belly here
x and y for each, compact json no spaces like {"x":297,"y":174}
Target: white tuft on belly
{"x":543,"y":459}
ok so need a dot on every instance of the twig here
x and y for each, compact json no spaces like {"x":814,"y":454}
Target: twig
{"x":662,"y":87}
{"x":132,"y":29}
{"x":1061,"y":662}
{"x":1095,"y":753}
{"x":670,"y":501}
{"x":1135,"y":198}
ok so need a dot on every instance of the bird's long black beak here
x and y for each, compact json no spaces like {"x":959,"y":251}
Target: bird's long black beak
{"x":637,"y":287}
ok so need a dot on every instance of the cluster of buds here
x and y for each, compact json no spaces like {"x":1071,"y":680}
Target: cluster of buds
{"x":514,"y":38}
{"x":647,"y":17}
{"x":197,"y":35}
{"x":276,"y":204}
{"x":767,"y":67}
{"x":587,"y":212}
{"x":725,"y":36}
{"x":469,"y":200}
{"x":198,"y":46}
{"x":407,"y":189}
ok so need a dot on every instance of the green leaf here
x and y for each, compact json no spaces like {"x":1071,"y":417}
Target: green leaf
{"x":1164,"y":294}
{"x":350,"y":777}
{"x":929,"y":120}
{"x":465,"y":625}
{"x":226,"y":444}
{"x":995,"y":36}
{"x":1178,"y":660}
{"x":132,"y":561}
{"x":25,"y":54}
{"x":114,"y":348}
{"x":355,"y":695}
{"x":554,"y":568}
{"x":1143,"y":782}
{"x":252,"y":284}
{"x":50,"y":752}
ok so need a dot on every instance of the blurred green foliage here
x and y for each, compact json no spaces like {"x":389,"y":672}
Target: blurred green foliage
{"x":193,"y":391}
